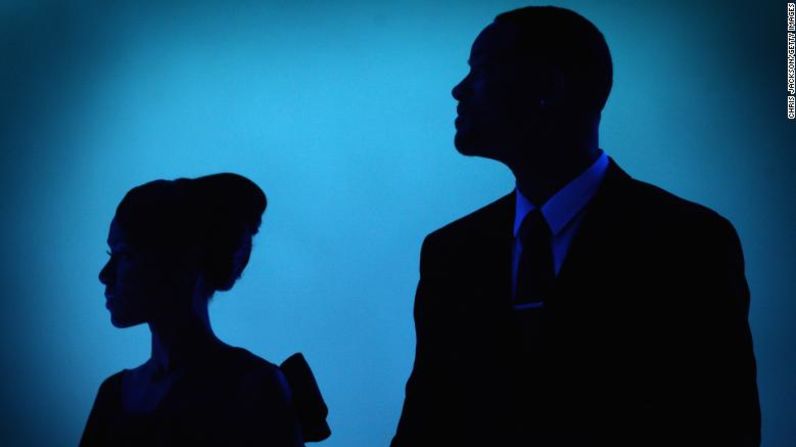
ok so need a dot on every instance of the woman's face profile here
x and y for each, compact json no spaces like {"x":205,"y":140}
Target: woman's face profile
{"x":135,"y":281}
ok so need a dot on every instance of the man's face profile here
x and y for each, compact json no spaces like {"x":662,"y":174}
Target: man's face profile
{"x":496,"y":104}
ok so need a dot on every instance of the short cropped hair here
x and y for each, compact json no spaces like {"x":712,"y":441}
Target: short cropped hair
{"x":566,"y":40}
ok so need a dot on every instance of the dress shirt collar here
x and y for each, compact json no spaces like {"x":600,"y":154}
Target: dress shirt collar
{"x":565,"y":204}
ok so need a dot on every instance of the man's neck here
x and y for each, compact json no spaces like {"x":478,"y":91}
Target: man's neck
{"x":540,"y":181}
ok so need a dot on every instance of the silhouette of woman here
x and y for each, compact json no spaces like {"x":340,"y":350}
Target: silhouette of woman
{"x":173,"y":244}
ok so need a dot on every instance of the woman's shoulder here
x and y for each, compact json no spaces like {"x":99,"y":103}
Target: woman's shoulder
{"x":109,"y":394}
{"x":111,"y":387}
{"x":284,"y":391}
{"x":246,"y":361}
{"x":257,"y":388}
{"x":254,"y":371}
{"x":246,"y":358}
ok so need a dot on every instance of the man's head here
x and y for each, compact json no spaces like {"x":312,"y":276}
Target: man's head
{"x":537,"y":75}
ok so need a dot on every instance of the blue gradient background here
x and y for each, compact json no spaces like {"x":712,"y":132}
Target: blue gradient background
{"x":342,"y":112}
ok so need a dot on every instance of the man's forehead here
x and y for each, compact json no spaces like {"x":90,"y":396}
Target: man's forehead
{"x":493,"y":41}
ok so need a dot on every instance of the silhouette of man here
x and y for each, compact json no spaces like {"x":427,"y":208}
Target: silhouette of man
{"x":585,"y":307}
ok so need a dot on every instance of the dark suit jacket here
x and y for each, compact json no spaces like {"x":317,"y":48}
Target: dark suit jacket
{"x":646,"y":339}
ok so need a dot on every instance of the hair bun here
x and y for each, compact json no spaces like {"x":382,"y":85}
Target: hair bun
{"x":228,"y":210}
{"x":228,"y":196}
{"x":217,"y":214}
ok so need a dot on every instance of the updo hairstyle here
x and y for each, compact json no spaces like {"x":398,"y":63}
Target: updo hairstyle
{"x":214,"y":216}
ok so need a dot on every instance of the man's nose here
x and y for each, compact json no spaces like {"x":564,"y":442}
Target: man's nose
{"x":459,"y":89}
{"x":106,"y":274}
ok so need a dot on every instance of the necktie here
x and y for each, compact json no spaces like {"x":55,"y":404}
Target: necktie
{"x":535,"y":276}
{"x":535,"y":273}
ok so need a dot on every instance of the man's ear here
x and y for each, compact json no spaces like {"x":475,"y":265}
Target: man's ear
{"x":554,"y":90}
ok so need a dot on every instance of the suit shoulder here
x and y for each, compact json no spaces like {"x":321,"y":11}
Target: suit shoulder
{"x":684,"y":226}
{"x":482,"y":220}
{"x":657,"y":204}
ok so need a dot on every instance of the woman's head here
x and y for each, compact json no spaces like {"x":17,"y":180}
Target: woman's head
{"x":173,"y":240}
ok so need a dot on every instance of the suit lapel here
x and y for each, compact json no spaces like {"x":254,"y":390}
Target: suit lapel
{"x":492,"y":249}
{"x":601,"y":219}
{"x":495,"y":251}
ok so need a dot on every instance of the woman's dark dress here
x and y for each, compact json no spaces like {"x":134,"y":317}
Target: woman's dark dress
{"x":243,"y":400}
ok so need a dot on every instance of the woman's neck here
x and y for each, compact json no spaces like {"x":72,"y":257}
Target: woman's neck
{"x":182,"y":340}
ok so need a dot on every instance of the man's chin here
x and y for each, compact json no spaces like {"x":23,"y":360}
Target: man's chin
{"x":463,"y":144}
{"x":469,"y":146}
